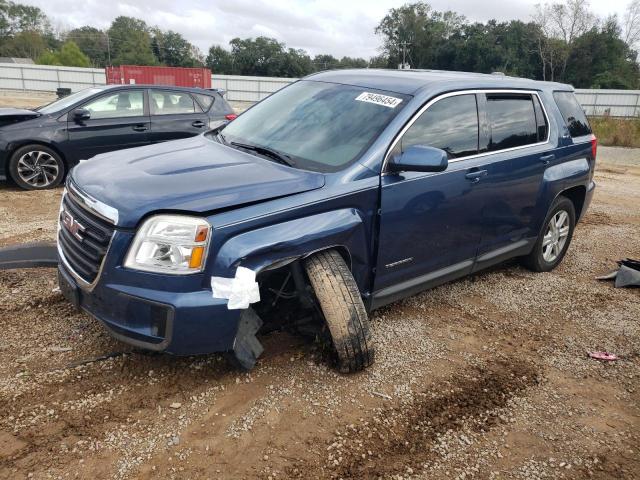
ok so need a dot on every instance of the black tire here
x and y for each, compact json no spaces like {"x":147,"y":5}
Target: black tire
{"x":536,"y":260}
{"x":343,"y":310}
{"x":42,"y":162}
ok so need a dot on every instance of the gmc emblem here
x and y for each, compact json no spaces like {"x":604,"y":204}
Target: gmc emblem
{"x":72,"y":225}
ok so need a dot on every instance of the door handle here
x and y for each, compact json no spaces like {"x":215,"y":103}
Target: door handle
{"x":545,"y":159}
{"x":140,"y":128}
{"x":476,"y":175}
{"x":198,"y":124}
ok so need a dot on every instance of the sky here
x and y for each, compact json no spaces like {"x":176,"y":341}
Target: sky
{"x":337,"y":27}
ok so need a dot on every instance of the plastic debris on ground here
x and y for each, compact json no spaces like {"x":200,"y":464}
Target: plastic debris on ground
{"x":627,"y":275}
{"x":606,"y":356}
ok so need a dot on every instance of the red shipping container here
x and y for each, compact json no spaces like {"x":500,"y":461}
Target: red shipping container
{"x":178,"y":76}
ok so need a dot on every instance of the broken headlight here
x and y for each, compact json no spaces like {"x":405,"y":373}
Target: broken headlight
{"x":175,"y":244}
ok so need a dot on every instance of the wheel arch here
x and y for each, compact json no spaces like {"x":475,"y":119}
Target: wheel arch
{"x":276,"y":246}
{"x":577,"y":194}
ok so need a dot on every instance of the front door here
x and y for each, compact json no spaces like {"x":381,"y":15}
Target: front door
{"x":174,"y":115}
{"x":430,"y":223}
{"x":118,"y":120}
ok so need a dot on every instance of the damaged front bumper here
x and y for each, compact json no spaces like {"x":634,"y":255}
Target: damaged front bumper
{"x":169,"y":317}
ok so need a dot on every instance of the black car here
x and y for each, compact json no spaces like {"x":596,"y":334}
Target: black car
{"x":38,"y":147}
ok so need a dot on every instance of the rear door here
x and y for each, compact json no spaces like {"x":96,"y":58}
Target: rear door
{"x":518,"y":152}
{"x":118,"y":120}
{"x":175,"y":114}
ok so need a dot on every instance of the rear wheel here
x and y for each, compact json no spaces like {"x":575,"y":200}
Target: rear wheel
{"x":343,"y":310}
{"x":36,"y":167}
{"x":555,"y":237}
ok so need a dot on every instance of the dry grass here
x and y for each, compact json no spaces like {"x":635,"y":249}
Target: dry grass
{"x":616,"y":132}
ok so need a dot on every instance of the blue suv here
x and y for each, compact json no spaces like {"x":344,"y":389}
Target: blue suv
{"x":338,"y":194}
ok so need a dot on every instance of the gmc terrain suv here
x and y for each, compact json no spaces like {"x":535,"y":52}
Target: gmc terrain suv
{"x":338,"y":194}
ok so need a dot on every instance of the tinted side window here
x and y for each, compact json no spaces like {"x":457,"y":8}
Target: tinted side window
{"x":450,"y":124}
{"x":572,"y":113}
{"x":127,"y":103}
{"x":541,"y":120}
{"x":512,"y":119}
{"x":169,"y":103}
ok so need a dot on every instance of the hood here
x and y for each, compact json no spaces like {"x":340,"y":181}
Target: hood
{"x":195,"y":175}
{"x":15,"y":115}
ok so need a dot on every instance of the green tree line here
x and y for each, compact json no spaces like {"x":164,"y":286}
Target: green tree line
{"x":563,"y":41}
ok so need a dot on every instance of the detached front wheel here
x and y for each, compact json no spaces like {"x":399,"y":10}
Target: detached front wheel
{"x":343,"y":310}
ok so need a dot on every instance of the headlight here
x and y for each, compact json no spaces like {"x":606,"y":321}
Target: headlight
{"x":175,"y":244}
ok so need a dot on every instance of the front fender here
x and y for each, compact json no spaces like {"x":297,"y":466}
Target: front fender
{"x":287,"y":241}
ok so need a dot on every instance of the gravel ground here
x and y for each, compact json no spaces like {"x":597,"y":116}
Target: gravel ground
{"x":486,"y":377}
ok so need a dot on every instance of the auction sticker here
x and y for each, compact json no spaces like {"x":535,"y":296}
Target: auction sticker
{"x":384,"y":100}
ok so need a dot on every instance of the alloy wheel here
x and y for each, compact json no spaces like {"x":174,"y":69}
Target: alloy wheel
{"x":556,"y":236}
{"x":38,"y":169}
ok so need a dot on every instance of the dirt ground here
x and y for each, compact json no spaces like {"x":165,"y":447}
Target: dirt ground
{"x":482,"y":378}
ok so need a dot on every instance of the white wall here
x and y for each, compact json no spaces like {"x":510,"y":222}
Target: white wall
{"x":249,"y":89}
{"x":48,"y":78}
{"x":617,"y":103}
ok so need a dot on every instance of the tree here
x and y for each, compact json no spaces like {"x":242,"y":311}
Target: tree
{"x":219,"y":60}
{"x":93,"y":43}
{"x":326,"y":62}
{"x":172,"y":49}
{"x":425,"y":30}
{"x":16,"y":18}
{"x":24,"y":45}
{"x":632,"y":24}
{"x":24,"y":30}
{"x":258,"y":56}
{"x":560,"y":24}
{"x":601,"y":59}
{"x":130,"y":42}
{"x":68,"y":55}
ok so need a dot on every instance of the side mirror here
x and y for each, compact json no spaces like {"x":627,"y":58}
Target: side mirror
{"x":80,"y":114}
{"x":420,"y":158}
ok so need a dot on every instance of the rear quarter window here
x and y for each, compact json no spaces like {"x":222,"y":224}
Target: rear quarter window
{"x":572,"y":113}
{"x":205,"y":101}
{"x":220,"y":106}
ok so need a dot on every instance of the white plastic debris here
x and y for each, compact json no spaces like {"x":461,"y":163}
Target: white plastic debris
{"x":241,"y":291}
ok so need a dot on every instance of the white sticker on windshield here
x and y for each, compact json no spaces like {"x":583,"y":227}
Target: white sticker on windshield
{"x":384,"y":100}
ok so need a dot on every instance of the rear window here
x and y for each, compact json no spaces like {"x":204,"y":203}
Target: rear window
{"x":572,"y":113}
{"x":513,"y":121}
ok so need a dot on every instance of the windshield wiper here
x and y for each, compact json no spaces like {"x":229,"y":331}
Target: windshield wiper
{"x":269,"y":152}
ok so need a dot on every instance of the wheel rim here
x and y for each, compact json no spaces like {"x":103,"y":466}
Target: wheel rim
{"x":556,"y":236}
{"x":38,"y":169}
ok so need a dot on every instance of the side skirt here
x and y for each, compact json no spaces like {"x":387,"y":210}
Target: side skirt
{"x":450,"y":273}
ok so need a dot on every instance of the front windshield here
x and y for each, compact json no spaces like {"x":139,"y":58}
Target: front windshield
{"x":67,"y":101}
{"x":320,"y":126}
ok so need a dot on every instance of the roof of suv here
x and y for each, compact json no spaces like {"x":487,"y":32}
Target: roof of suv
{"x":411,"y":81}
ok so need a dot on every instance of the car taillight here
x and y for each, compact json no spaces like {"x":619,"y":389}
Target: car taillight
{"x":231,"y":116}
{"x":594,"y":146}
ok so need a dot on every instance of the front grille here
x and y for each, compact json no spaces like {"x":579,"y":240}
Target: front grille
{"x":84,"y":251}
